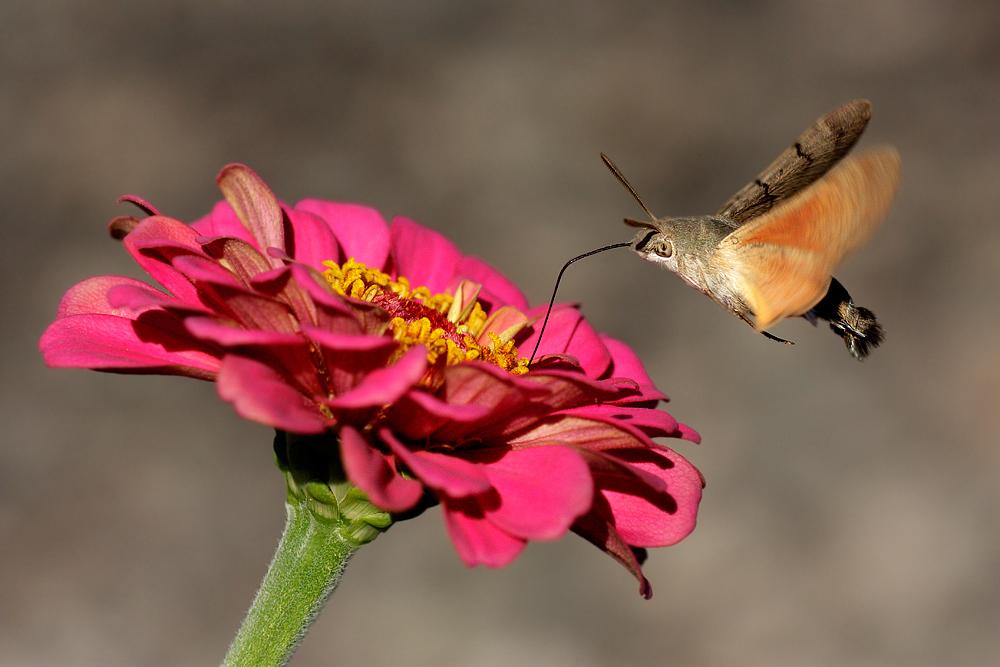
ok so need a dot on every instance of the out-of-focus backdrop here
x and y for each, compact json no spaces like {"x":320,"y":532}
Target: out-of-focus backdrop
{"x":852,"y":513}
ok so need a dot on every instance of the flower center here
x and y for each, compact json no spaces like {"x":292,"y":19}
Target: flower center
{"x":451,"y":331}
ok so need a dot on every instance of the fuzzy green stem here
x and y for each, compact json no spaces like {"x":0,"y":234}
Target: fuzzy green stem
{"x":307,"y":566}
{"x":327,"y":520}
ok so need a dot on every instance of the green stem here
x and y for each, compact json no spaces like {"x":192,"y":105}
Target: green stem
{"x":327,"y":520}
{"x":307,"y":566}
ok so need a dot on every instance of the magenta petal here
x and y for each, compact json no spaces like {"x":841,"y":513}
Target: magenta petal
{"x":543,"y":490}
{"x":222,"y":221}
{"x":422,"y":255}
{"x":255,"y":205}
{"x":477,"y":541}
{"x":361,"y":231}
{"x":384,"y":385}
{"x":155,"y":243}
{"x":503,"y":291}
{"x":312,"y":242}
{"x":369,"y":470}
{"x":451,"y":475}
{"x":569,"y":333}
{"x":626,"y":363}
{"x":260,"y":394}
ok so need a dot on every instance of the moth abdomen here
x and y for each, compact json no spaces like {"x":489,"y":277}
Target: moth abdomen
{"x":856,"y":325}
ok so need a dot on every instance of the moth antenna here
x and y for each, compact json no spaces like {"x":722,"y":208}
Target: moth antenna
{"x":623,"y":181}
{"x":559,"y":278}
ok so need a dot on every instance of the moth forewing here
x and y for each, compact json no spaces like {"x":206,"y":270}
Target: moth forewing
{"x":786,"y":257}
{"x":812,"y":155}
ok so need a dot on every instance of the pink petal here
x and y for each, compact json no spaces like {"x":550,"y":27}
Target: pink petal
{"x":360,"y":230}
{"x":425,"y":257}
{"x":260,"y":394}
{"x":543,"y":490}
{"x":477,"y":541}
{"x":370,"y":471}
{"x":156,"y":343}
{"x":90,"y":297}
{"x":501,"y":291}
{"x":644,"y":517}
{"x":255,"y":205}
{"x":449,"y":474}
{"x":312,"y":241}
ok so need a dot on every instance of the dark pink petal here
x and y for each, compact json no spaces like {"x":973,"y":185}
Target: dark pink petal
{"x":155,"y":343}
{"x":448,"y":474}
{"x":644,"y":517}
{"x":222,"y":221}
{"x":240,"y":258}
{"x":260,"y":394}
{"x":384,"y":385}
{"x":501,"y":291}
{"x":590,"y":428}
{"x":654,"y":423}
{"x":338,"y":314}
{"x":228,"y":336}
{"x":279,"y":285}
{"x":155,"y":243}
{"x":248,"y":308}
{"x":419,"y":414}
{"x":370,"y":471}
{"x":255,"y":205}
{"x":569,"y":333}
{"x":146,"y":207}
{"x":425,"y":257}
{"x":477,"y":541}
{"x":311,"y":241}
{"x":361,"y":231}
{"x":543,"y":490}
{"x":601,"y":534}
{"x":349,"y":358}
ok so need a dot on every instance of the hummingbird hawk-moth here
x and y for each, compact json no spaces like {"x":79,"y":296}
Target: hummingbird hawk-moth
{"x":770,"y":251}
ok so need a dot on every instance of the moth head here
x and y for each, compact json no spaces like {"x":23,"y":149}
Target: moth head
{"x":655,"y":242}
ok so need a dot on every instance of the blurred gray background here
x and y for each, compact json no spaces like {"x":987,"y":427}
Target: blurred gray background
{"x":852,"y":514}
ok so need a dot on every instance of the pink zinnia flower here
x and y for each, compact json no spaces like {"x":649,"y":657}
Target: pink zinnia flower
{"x":322,"y":319}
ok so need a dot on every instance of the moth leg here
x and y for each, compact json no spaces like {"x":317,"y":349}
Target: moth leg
{"x":768,"y":335}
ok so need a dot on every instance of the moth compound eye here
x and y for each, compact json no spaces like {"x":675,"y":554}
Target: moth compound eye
{"x":663,"y":248}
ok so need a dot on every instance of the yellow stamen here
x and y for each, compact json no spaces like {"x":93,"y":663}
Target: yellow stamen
{"x":421,"y":318}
